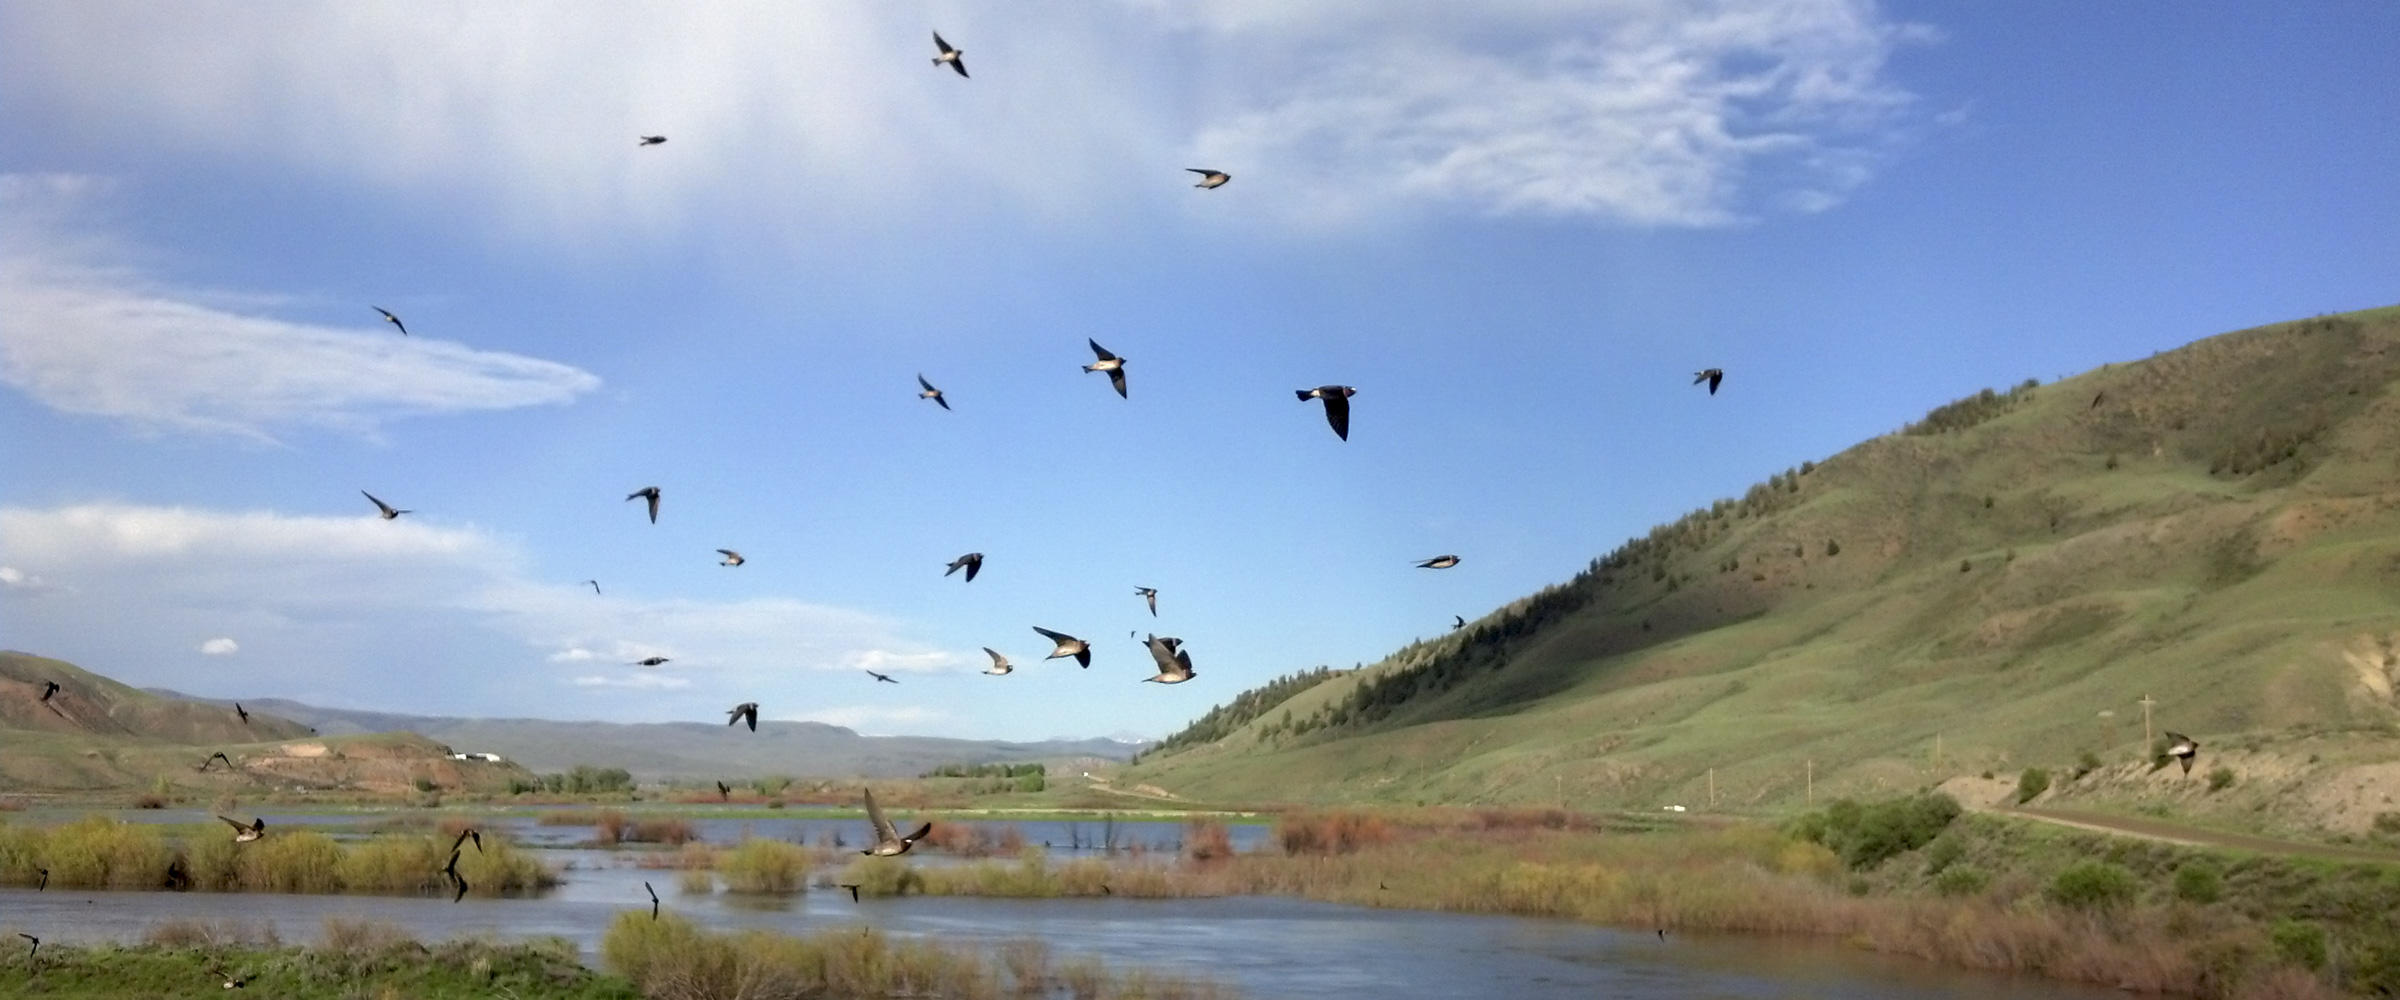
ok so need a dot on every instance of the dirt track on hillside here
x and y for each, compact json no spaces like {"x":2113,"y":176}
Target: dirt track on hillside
{"x":2149,"y":829}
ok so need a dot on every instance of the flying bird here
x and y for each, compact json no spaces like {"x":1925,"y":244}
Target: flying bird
{"x":651,"y":661}
{"x":931,"y":392}
{"x":949,"y":55}
{"x":853,"y":887}
{"x":215,"y":757}
{"x":465,"y":835}
{"x":653,"y":899}
{"x":1174,"y":664}
{"x":243,"y":712}
{"x":724,"y":791}
{"x":451,"y":870}
{"x":1457,"y":622}
{"x":732,"y":558}
{"x":245,"y":834}
{"x":1149,"y":594}
{"x":45,"y":884}
{"x":49,"y":688}
{"x":1110,"y":363}
{"x":652,"y":493}
{"x":1000,"y":667}
{"x":387,"y":510}
{"x":972,"y":561}
{"x":2183,"y":748}
{"x":1209,"y":178}
{"x":747,"y":710}
{"x":595,"y":584}
{"x":1337,"y":405}
{"x":888,"y":841}
{"x":1712,"y":376}
{"x":393,"y":320}
{"x":37,"y":944}
{"x":1067,"y":646}
{"x":653,"y":140}
{"x":882,"y":678}
{"x":1439,"y":562}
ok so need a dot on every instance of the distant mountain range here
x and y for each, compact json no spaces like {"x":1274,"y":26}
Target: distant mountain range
{"x":658,"y":750}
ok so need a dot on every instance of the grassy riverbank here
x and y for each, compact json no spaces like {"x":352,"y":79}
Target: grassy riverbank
{"x":353,"y":960}
{"x":102,"y":853}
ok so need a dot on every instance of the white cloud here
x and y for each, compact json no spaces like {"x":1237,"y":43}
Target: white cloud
{"x":1640,"y":112}
{"x":886,"y":660}
{"x":13,"y":578}
{"x":84,"y":334}
{"x":862,"y":717}
{"x":409,"y":614}
{"x":220,"y":646}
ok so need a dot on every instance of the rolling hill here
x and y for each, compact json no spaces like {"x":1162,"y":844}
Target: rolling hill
{"x":696,"y":750}
{"x":95,"y":734}
{"x":2215,"y":529}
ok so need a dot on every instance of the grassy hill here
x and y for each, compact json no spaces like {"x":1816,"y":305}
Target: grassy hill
{"x":95,"y":734}
{"x":1995,"y":587}
{"x":699,"y":750}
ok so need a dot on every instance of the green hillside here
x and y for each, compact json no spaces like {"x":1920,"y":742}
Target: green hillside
{"x":1997,"y":586}
{"x":95,"y":734}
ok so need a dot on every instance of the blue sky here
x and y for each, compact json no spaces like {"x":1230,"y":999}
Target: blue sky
{"x":1516,"y":227}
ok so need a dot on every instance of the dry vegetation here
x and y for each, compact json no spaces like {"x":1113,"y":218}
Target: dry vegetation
{"x":101,"y":853}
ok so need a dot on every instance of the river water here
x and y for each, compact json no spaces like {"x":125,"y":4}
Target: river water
{"x":1266,"y":947}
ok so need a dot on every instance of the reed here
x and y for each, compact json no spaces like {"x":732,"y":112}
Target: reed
{"x":673,"y":959}
{"x":355,"y":961}
{"x":758,"y":865}
{"x":97,"y":853}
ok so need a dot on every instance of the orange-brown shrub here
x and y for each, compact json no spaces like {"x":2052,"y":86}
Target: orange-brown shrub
{"x":1336,"y":832}
{"x":1206,"y":841}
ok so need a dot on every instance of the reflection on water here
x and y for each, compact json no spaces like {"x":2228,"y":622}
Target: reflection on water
{"x":1268,"y":947}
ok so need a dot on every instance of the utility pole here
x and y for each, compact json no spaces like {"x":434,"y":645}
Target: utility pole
{"x":1812,"y":781}
{"x":1712,"y":788}
{"x":2147,"y":739}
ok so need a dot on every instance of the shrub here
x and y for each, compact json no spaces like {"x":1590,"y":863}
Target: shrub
{"x":2387,"y":822}
{"x":2093,"y":885}
{"x":758,"y":865}
{"x":2199,"y":882}
{"x":2220,"y":779}
{"x":2086,"y":764}
{"x":1207,"y":840}
{"x":2032,"y":784}
{"x":1961,"y":880}
{"x":2299,"y":942}
{"x":1942,"y":853}
{"x":1864,"y":836}
{"x":1340,"y":832}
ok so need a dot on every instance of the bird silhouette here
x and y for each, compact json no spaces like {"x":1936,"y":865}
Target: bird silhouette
{"x":1174,"y":664}
{"x":732,"y":558}
{"x":2183,"y":748}
{"x":653,"y":140}
{"x":393,"y":320}
{"x":386,"y":510}
{"x":243,"y":712}
{"x":1337,"y":405}
{"x":245,"y":834}
{"x":853,"y":887}
{"x":999,"y":667}
{"x":1067,"y":645}
{"x":931,"y":392}
{"x":1457,"y":622}
{"x":724,"y":791}
{"x":1149,"y":595}
{"x":1712,"y":376}
{"x":37,"y":945}
{"x":950,"y":55}
{"x":651,"y":661}
{"x":457,"y":879}
{"x":650,"y":492}
{"x":45,"y":883}
{"x":1110,"y":363}
{"x":215,"y":757}
{"x":747,"y":710}
{"x":972,"y":562}
{"x":882,"y":678}
{"x":1210,"y":178}
{"x":1439,"y":562}
{"x":466,"y":835}
{"x":888,"y":841}
{"x":653,"y":899}
{"x":49,"y":688}
{"x":595,"y":584}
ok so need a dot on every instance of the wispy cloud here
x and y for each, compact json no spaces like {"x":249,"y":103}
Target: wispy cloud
{"x":409,"y":613}
{"x":84,"y":333}
{"x":12,"y":578}
{"x":1631,"y":112}
{"x":873,"y":720}
{"x":220,"y":646}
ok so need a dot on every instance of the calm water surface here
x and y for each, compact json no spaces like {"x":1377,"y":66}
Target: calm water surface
{"x":1267,"y":947}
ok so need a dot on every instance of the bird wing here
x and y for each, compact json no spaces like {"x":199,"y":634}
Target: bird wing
{"x":928,"y":385}
{"x":942,"y":45}
{"x":883,"y":827}
{"x":922,"y":830}
{"x":379,"y":505}
{"x":236,"y":824}
{"x":1084,"y":657}
{"x":1102,"y":352}
{"x":997,"y":659}
{"x":1054,"y":636}
{"x":961,"y":66}
{"x":456,"y":844}
{"x":974,"y":566}
{"x":1713,"y":379}
{"x":1183,"y":659}
{"x":1162,"y":651}
{"x":1152,"y":598}
{"x":729,"y":552}
{"x":1202,"y":171}
{"x":1337,"y":413}
{"x":653,"y":892}
{"x":654,"y":506}
{"x":1116,"y":377}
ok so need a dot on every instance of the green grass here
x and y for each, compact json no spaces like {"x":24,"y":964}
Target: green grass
{"x":354,"y":962}
{"x":2243,"y":603}
{"x":102,"y":853}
